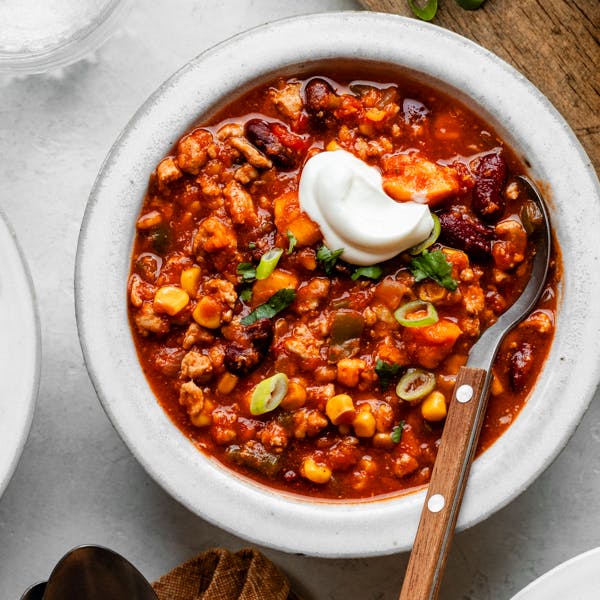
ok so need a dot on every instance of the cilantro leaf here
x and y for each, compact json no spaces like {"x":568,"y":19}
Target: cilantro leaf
{"x":293,"y":241}
{"x":275,"y":304}
{"x":435,"y":266}
{"x":397,"y":432}
{"x":247,"y":271}
{"x":386,"y":372}
{"x":328,"y":258}
{"x":373,"y":272}
{"x":246,"y":294}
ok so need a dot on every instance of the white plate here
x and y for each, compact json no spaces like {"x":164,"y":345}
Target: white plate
{"x":522,"y":115}
{"x":19,"y":353}
{"x":575,"y":579}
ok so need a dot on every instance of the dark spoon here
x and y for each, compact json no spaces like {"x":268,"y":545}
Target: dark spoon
{"x":35,"y":592}
{"x":93,"y":573}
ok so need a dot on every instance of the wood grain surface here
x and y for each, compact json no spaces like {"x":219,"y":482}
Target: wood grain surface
{"x":554,"y":43}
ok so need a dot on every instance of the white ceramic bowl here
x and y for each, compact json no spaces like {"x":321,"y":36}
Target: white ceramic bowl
{"x":522,"y":115}
{"x":19,"y":353}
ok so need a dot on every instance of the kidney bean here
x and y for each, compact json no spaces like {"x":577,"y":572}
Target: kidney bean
{"x":320,"y":99}
{"x":260,"y":334}
{"x":490,"y":177}
{"x":168,"y":361}
{"x":275,"y":141}
{"x":463,"y":231}
{"x":520,"y":366}
{"x":245,"y":354}
{"x":241,"y":360}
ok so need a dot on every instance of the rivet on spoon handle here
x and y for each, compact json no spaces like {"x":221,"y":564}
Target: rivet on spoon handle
{"x":447,"y":485}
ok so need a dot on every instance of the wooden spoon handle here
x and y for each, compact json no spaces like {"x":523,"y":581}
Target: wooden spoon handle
{"x":447,"y":486}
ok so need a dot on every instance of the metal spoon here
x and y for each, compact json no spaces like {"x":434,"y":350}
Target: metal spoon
{"x":93,"y":573}
{"x":35,"y":592}
{"x":463,"y":425}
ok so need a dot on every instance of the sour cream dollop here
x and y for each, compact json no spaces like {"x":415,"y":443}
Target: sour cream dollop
{"x":344,"y":196}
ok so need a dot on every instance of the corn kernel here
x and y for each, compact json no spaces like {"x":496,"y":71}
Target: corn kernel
{"x":170,"y":299}
{"x":433,"y":408}
{"x":368,"y":465}
{"x":315,"y":472}
{"x":201,"y":420}
{"x":190,"y":279}
{"x":375,"y":114}
{"x":339,"y":408}
{"x":207,"y":313}
{"x":496,"y":388}
{"x":295,"y":397}
{"x":364,"y":424}
{"x":349,"y":370}
{"x":383,"y":440}
{"x":227,"y":383}
{"x":333,"y":145}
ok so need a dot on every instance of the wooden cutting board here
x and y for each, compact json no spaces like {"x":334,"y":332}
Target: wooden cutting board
{"x":554,"y":43}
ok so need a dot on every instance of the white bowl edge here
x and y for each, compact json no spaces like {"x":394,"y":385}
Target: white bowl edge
{"x":316,"y":528}
{"x":20,"y":368}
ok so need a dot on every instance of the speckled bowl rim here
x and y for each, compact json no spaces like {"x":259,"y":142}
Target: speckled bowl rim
{"x":524,"y":116}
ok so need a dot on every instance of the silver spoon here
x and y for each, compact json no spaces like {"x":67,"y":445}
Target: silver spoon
{"x":93,"y":573}
{"x":463,"y":425}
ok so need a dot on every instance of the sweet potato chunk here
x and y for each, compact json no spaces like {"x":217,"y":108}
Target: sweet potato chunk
{"x":289,"y":217}
{"x":412,"y":177}
{"x":279,"y":279}
{"x":430,"y":345}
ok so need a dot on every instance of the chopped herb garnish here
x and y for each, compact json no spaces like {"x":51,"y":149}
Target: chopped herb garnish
{"x":275,"y":304}
{"x":435,"y":266}
{"x":386,"y":372}
{"x":247,"y":271}
{"x":293,"y":241}
{"x":328,"y":258}
{"x":246,"y":294}
{"x":470,"y":4}
{"x":374,"y":272}
{"x":424,"y":9}
{"x":251,"y":245}
{"x":397,"y":433}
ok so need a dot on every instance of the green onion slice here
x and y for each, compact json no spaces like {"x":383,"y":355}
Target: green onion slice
{"x":293,"y":241}
{"x":415,"y":384}
{"x":268,"y":262}
{"x":268,"y":394}
{"x":424,"y":9}
{"x":416,"y":314}
{"x":433,"y":236}
{"x":470,"y":4}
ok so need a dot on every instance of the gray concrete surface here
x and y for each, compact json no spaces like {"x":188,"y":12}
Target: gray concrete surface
{"x":76,"y":482}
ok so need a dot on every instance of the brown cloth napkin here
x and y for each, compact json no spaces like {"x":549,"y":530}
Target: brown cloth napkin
{"x":221,"y":575}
